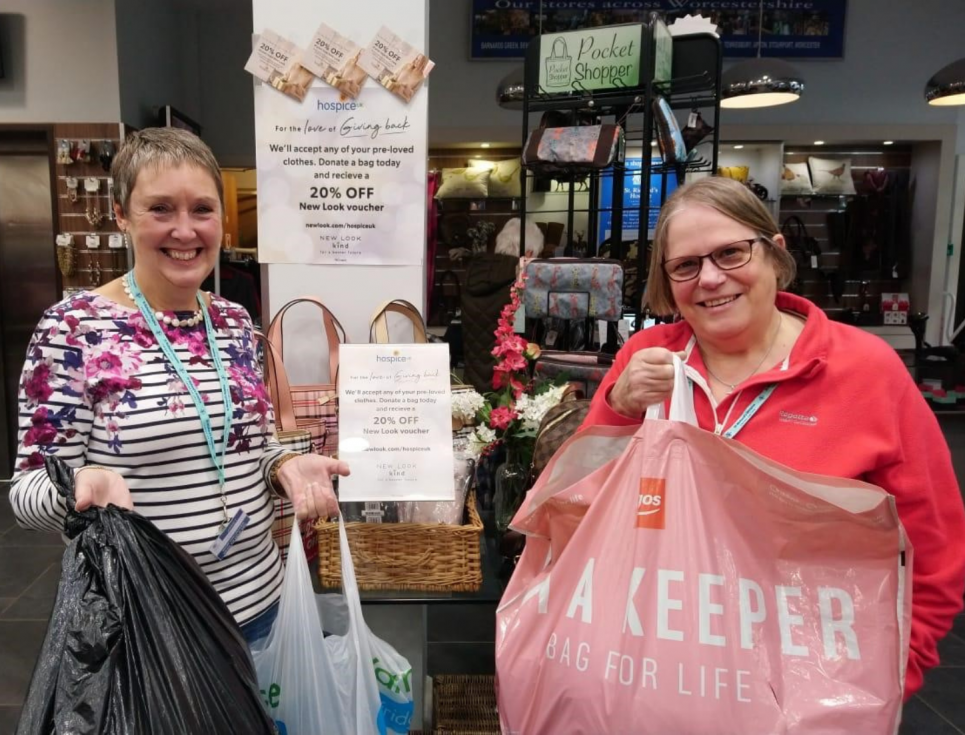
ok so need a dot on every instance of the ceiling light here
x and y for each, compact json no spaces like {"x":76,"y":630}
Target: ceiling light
{"x":760,"y":82}
{"x":484,"y":145}
{"x":738,"y":147}
{"x":511,"y":89}
{"x":947,"y":86}
{"x":888,"y":142}
{"x":819,"y":142}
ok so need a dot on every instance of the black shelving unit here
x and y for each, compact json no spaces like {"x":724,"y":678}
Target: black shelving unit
{"x":694,"y":83}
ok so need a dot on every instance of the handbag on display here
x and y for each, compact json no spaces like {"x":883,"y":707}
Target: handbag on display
{"x":800,"y":244}
{"x":669,"y":139}
{"x":695,"y":131}
{"x":573,"y":147}
{"x":283,"y":516}
{"x":558,"y":425}
{"x":311,"y":406}
{"x":574,"y":288}
{"x":294,"y":440}
{"x":584,"y":370}
{"x":379,"y":325}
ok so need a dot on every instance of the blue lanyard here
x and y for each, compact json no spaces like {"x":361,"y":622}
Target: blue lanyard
{"x":750,"y":411}
{"x":172,"y":356}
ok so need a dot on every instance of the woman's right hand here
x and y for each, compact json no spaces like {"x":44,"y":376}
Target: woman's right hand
{"x":100,"y":487}
{"x":646,"y":380}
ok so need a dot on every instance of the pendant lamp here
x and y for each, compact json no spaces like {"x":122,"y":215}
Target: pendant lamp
{"x":511,"y":89}
{"x":947,"y":86}
{"x":760,"y":82}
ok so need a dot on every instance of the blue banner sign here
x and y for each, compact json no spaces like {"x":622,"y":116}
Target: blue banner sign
{"x":502,"y":29}
{"x":632,"y":191}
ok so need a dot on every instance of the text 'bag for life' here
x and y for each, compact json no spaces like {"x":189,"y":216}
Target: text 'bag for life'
{"x":677,"y":582}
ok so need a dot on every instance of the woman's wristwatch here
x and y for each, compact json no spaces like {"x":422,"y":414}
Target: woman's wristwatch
{"x":273,"y":472}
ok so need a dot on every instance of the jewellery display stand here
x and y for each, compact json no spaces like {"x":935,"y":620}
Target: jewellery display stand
{"x":693,"y":84}
{"x":84,"y":196}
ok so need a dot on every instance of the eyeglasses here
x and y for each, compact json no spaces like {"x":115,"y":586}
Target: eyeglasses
{"x":726,"y":257}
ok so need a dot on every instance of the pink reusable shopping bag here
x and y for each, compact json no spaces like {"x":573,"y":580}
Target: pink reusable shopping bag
{"x":676,"y":582}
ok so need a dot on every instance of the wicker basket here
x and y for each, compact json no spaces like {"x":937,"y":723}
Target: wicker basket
{"x":432,"y":557}
{"x":464,"y":705}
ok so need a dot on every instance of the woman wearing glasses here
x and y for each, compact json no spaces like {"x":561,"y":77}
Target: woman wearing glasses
{"x":771,"y":370}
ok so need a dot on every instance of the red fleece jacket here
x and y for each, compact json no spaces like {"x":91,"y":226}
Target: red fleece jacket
{"x":846,"y":406}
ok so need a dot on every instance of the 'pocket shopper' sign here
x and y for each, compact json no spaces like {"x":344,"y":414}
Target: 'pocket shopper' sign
{"x":600,"y":58}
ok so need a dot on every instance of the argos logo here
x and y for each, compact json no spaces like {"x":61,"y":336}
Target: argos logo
{"x":652,"y":504}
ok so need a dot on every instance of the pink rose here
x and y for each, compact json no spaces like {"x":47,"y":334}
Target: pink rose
{"x":502,"y":417}
{"x":514,"y":362}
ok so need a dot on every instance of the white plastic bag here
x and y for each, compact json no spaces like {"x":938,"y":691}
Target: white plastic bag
{"x":346,"y":682}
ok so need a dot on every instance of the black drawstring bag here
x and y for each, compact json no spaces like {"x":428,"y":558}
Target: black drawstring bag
{"x":138,"y":641}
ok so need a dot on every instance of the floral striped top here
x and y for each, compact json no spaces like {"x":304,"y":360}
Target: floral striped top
{"x":96,"y":389}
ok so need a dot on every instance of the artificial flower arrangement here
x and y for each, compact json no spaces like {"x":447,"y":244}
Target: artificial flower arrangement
{"x":512,"y":412}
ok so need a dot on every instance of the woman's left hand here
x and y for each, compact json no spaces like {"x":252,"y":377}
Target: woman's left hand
{"x":307,"y":481}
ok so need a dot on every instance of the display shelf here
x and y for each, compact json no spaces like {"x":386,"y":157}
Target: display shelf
{"x":690,"y":81}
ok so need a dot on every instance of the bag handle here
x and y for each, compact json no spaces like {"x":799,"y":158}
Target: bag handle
{"x":799,"y":229}
{"x":681,"y":400}
{"x":279,"y":388}
{"x":554,"y":53}
{"x":379,"y":324}
{"x":334,"y":331}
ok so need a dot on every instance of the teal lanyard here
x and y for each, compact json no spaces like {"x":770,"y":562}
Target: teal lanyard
{"x":172,"y":356}
{"x":750,"y":411}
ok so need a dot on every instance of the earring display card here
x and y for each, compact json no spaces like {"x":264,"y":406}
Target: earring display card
{"x":334,"y":58}
{"x":396,"y":65}
{"x":83,"y":204}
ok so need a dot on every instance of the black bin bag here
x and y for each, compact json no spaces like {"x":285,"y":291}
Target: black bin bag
{"x":138,"y":641}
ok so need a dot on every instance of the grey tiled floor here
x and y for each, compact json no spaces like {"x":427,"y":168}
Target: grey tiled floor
{"x":30,"y":570}
{"x":29,"y":573}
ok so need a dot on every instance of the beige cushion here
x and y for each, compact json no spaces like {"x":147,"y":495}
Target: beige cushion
{"x":504,"y":179}
{"x":795,"y":179}
{"x":831,"y":175}
{"x":464,"y":183}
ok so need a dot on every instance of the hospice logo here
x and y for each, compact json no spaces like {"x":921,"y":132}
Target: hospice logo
{"x":801,"y":419}
{"x":652,"y":504}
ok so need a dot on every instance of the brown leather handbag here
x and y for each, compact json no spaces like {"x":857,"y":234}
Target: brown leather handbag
{"x":558,"y":425}
{"x":311,"y":406}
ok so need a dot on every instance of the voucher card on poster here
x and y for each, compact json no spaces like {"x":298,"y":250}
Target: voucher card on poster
{"x":334,"y":58}
{"x":276,"y":60}
{"x":395,"y":64}
{"x":394,"y":424}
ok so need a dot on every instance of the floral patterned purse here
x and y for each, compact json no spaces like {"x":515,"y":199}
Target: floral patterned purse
{"x":574,"y":288}
{"x":574,"y":147}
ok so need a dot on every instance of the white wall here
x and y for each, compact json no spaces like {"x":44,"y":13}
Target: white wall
{"x":157,"y":50}
{"x":60,"y":59}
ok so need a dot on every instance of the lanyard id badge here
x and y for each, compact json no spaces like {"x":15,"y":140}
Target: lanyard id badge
{"x":226,"y":539}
